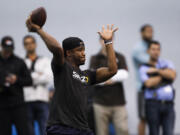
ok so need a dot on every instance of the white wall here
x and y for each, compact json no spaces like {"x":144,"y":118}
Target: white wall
{"x":84,"y":18}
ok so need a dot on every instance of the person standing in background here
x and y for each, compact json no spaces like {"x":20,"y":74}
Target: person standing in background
{"x":37,"y":96}
{"x":157,"y":77}
{"x":139,"y":57}
{"x":14,"y":76}
{"x":108,"y":98}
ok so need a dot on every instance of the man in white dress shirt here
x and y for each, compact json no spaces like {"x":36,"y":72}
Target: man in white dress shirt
{"x":37,"y":96}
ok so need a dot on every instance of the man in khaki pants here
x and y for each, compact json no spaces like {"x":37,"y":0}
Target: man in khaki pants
{"x":108,"y":97}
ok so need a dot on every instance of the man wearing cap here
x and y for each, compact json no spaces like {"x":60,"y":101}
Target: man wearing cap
{"x":68,"y":108}
{"x":14,"y":76}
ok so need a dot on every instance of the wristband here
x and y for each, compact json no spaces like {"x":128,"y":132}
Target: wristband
{"x":108,"y":42}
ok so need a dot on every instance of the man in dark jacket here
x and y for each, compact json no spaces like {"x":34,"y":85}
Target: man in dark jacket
{"x":14,"y":75}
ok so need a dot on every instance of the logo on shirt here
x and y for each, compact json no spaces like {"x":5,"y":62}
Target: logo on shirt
{"x":82,"y":79}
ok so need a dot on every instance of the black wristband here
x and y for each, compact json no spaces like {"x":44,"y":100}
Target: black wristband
{"x":107,"y":41}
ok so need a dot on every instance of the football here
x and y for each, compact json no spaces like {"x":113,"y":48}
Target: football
{"x":39,"y":16}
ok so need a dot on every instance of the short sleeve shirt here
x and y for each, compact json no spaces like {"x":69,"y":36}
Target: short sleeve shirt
{"x":104,"y":94}
{"x":68,"y":106}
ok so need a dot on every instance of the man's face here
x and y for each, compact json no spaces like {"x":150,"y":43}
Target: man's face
{"x":78,"y":55}
{"x":7,"y":51}
{"x":29,"y":45}
{"x":154,"y":51}
{"x":147,"y":34}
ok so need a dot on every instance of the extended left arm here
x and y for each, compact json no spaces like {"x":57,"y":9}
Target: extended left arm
{"x":105,"y":73}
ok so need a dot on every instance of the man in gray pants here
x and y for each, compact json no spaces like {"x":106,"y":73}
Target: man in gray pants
{"x":109,"y":99}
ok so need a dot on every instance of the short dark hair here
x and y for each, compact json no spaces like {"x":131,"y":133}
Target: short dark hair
{"x":153,"y":42}
{"x":143,"y":28}
{"x":29,"y":36}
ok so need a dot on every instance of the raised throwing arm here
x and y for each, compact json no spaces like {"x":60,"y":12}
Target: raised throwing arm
{"x":52,"y":44}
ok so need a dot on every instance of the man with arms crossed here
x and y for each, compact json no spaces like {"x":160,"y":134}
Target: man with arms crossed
{"x":37,"y":96}
{"x":157,"y":76}
{"x":14,"y":76}
{"x":68,"y":106}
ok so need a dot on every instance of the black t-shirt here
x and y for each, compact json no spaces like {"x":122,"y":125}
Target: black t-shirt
{"x":68,"y":106}
{"x":109,"y":95}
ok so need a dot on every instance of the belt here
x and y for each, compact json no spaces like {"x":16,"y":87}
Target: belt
{"x":161,"y":101}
